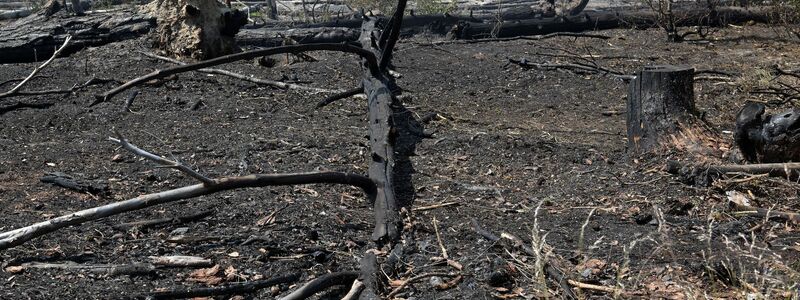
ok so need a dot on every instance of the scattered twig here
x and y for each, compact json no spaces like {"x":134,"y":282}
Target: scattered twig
{"x":107,"y":269}
{"x":551,"y":271}
{"x":321,"y":283}
{"x":569,"y":66}
{"x":411,"y":280}
{"x":273,"y":83}
{"x":181,"y":261}
{"x":155,"y":222}
{"x":434,"y":206}
{"x":269,"y":219}
{"x":439,"y":238}
{"x":743,"y":208}
{"x":595,"y":287}
{"x":74,"y":88}
{"x":72,"y":183}
{"x":129,"y":101}
{"x":339,"y":96}
{"x":236,"y":288}
{"x":165,"y":162}
{"x":21,"y":79}
{"x":36,"y":70}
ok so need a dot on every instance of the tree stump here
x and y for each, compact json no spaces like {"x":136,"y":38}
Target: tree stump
{"x":659,"y":99}
{"x":662,"y":116}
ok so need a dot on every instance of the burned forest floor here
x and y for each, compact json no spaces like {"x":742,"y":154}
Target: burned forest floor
{"x":505,"y":140}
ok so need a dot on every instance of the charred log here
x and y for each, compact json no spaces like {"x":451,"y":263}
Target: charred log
{"x":768,"y":138}
{"x":37,"y":36}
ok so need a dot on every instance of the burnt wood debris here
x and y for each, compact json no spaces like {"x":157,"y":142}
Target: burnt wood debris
{"x":660,"y":113}
{"x":393,"y":134}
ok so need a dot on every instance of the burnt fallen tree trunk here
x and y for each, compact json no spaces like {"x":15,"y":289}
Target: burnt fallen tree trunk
{"x":465,"y":27}
{"x":37,"y":36}
{"x":599,"y":20}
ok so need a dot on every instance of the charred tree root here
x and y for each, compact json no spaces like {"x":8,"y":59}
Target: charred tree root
{"x":321,"y":283}
{"x":239,"y":288}
{"x":209,"y":186}
{"x":697,"y":173}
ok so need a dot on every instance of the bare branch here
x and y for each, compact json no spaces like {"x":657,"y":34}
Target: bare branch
{"x":163,"y":161}
{"x":273,"y":83}
{"x":339,"y":96}
{"x":355,"y":290}
{"x":415,"y":279}
{"x":19,"y":236}
{"x":16,"y":88}
{"x":394,"y":34}
{"x":321,"y":283}
{"x":369,"y":57}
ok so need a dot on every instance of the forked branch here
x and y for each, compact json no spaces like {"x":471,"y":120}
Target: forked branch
{"x":35,"y":71}
{"x":163,"y":161}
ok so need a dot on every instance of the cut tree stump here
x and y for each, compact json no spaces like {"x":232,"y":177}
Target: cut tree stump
{"x":661,"y":114}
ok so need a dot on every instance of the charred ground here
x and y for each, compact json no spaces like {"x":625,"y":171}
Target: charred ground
{"x":506,"y":139}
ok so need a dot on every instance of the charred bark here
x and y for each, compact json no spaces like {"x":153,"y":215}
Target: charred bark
{"x":661,"y":116}
{"x":467,"y":27}
{"x":660,"y":99}
{"x":36,"y":37}
{"x":763,"y":137}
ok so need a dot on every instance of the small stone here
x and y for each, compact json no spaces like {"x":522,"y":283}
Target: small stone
{"x":436,"y":281}
{"x":179,"y":231}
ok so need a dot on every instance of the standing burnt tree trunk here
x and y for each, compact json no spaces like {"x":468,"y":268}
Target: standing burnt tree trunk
{"x":661,"y":112}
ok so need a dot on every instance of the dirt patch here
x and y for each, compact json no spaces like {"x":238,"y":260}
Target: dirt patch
{"x":508,"y":141}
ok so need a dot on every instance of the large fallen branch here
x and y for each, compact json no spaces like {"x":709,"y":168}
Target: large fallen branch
{"x":19,"y":236}
{"x":273,"y":83}
{"x":368,"y":56}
